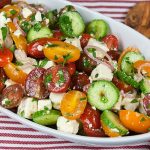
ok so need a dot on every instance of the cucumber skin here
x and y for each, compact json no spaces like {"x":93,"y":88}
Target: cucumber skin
{"x":65,"y":24}
{"x":127,"y":79}
{"x":109,"y":123}
{"x":33,"y":35}
{"x":90,"y":100}
{"x":41,"y":117}
{"x":91,"y":27}
{"x":144,"y":88}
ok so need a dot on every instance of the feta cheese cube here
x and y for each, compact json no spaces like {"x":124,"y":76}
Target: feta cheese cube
{"x":9,"y":82}
{"x":102,"y":71}
{"x":56,"y":99}
{"x":17,"y":33}
{"x":68,"y":126}
{"x":42,"y":104}
{"x":27,"y":68}
{"x":26,"y":12}
{"x":48,"y":64}
{"x":3,"y":20}
{"x":40,"y":47}
{"x":27,"y":107}
{"x":38,"y":16}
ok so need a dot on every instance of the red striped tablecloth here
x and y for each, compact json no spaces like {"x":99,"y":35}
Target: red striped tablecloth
{"x":14,"y":135}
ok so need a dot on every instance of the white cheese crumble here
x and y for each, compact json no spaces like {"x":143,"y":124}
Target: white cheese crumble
{"x":68,"y":126}
{"x":17,"y":33}
{"x":49,"y":64}
{"x":40,"y":47}
{"x":46,"y":103}
{"x":93,"y":107}
{"x":3,"y":19}
{"x":38,"y":16}
{"x":26,"y":12}
{"x":9,"y":82}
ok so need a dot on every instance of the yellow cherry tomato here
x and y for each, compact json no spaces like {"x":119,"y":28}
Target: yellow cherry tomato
{"x":20,"y":41}
{"x":15,"y":73}
{"x":73,"y":104}
{"x":134,"y":121}
{"x":60,"y":52}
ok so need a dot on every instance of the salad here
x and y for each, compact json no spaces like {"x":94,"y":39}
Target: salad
{"x":58,"y":71}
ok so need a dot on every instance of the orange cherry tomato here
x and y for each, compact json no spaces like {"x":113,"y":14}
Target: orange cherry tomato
{"x":11,"y":10}
{"x":15,"y":73}
{"x":146,"y":68}
{"x":73,"y":104}
{"x":20,"y":41}
{"x":61,"y":52}
{"x":129,"y":49}
{"x":6,"y":56}
{"x":134,"y":121}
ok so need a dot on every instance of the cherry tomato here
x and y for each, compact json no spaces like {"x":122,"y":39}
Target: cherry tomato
{"x":32,"y":48}
{"x":2,"y":86}
{"x":57,"y":79}
{"x":20,"y":41}
{"x":14,"y":94}
{"x":134,"y":121}
{"x":79,"y":81}
{"x":146,"y":68}
{"x":34,"y":85}
{"x":146,"y":104}
{"x":85,"y":64}
{"x":61,"y":52}
{"x":91,"y":122}
{"x":85,"y":39}
{"x":111,"y":42}
{"x":122,"y":85}
{"x":114,"y":55}
{"x":3,"y":76}
{"x":4,"y":2}
{"x":6,"y":56}
{"x":71,"y":68}
{"x":57,"y":34}
{"x":73,"y":104}
{"x":15,"y":73}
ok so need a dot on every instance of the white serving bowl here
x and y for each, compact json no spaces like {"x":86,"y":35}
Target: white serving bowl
{"x":127,"y":37}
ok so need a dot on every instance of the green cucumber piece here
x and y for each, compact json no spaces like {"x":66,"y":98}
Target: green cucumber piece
{"x":128,"y":60}
{"x":111,"y":120}
{"x":145,"y":85}
{"x":98,"y":28}
{"x":127,"y":79}
{"x":43,"y":32}
{"x":71,"y":24}
{"x":46,"y":117}
{"x":103,"y":94}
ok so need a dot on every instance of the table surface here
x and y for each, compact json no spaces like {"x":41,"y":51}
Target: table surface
{"x":14,"y":135}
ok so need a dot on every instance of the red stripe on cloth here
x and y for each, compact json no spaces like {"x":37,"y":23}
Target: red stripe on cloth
{"x":9,"y":122}
{"x":107,"y":6}
{"x":112,"y":1}
{"x":18,"y":128}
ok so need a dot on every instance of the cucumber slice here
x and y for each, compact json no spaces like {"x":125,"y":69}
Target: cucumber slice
{"x":71,"y":24}
{"x":103,"y":94}
{"x":98,"y":28}
{"x":111,"y":120}
{"x":46,"y":118}
{"x":128,"y":60}
{"x":43,"y":32}
{"x":145,"y":86}
{"x":128,"y":79}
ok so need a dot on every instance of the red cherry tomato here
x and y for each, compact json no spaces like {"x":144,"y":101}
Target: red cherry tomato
{"x":57,"y":34}
{"x":71,"y":68}
{"x":79,"y":81}
{"x":4,"y":2}
{"x":111,"y":41}
{"x":146,"y":104}
{"x":114,"y":54}
{"x":6,"y":56}
{"x":121,"y":85}
{"x":32,"y":48}
{"x":84,"y":39}
{"x":2,"y":85}
{"x":57,"y":79}
{"x":91,"y":122}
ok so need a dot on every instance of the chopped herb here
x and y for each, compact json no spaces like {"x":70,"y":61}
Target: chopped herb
{"x":127,"y":60}
{"x":1,"y":46}
{"x":34,"y":99}
{"x":19,"y":17}
{"x":66,"y":58}
{"x":76,"y":73}
{"x":61,"y":77}
{"x":43,"y":16}
{"x":32,"y":17}
{"x":96,"y":75}
{"x":46,"y":108}
{"x":18,"y":63}
{"x":55,"y":57}
{"x":83,"y":98}
{"x":7,"y":102}
{"x":12,"y":48}
{"x":25,"y":26}
{"x":142,"y":119}
{"x":51,"y":45}
{"x":48,"y":79}
{"x":134,"y":101}
{"x":13,"y":12}
{"x":22,"y":113}
{"x":43,"y":63}
{"x":93,"y":51}
{"x":86,"y":63}
{"x":37,"y":27}
{"x":4,"y":32}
